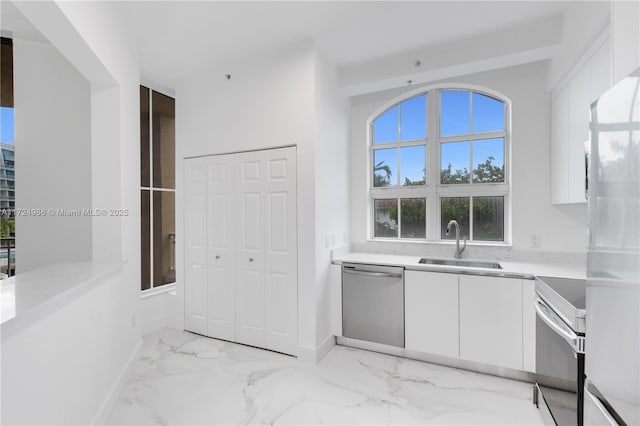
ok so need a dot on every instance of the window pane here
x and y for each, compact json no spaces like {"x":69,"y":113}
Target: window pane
{"x":413,"y":217}
{"x":145,"y":242}
{"x":454,"y":164}
{"x":385,"y":127}
{"x":164,"y":271}
{"x":488,"y":160}
{"x":144,"y":138}
{"x":412,"y":168}
{"x":454,"y":208}
{"x":164,"y":143}
{"x":454,"y":112}
{"x":413,"y":118}
{"x":7,"y":134}
{"x":6,"y":72}
{"x":385,"y":164}
{"x":385,"y":218}
{"x":488,"y":113}
{"x":488,"y":218}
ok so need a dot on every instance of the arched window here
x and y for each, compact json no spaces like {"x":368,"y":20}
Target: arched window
{"x":438,"y":155}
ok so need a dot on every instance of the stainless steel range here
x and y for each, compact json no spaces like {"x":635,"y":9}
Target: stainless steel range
{"x":560,"y":341}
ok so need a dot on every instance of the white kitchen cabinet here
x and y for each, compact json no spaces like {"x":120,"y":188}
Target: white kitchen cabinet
{"x":491,"y":320}
{"x":570,"y":115}
{"x":579,"y":113}
{"x":600,"y":71}
{"x":431,"y":312}
{"x":560,"y":147}
{"x":241,"y":248}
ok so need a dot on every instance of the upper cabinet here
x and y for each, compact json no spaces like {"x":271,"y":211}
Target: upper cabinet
{"x":570,"y":112}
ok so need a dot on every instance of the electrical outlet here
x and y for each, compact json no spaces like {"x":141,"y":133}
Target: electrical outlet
{"x":535,"y":241}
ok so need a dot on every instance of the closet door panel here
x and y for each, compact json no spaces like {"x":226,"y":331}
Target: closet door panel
{"x":249,"y":213}
{"x":195,"y":247}
{"x":221,"y":251}
{"x":281,"y":250}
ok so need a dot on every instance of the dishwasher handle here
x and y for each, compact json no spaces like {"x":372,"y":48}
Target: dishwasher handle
{"x":557,"y":325}
{"x":347,"y":270}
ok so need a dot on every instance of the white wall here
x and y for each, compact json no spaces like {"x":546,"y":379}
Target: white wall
{"x":90,"y":36}
{"x":332,"y":192}
{"x":582,"y":23}
{"x":625,"y":35}
{"x":53,"y":156}
{"x":510,"y":46}
{"x":157,"y":311}
{"x":265,"y":104}
{"x":59,"y":369}
{"x":560,"y":228}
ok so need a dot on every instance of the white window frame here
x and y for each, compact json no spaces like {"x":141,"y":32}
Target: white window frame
{"x":433,"y":191}
{"x":153,"y":289}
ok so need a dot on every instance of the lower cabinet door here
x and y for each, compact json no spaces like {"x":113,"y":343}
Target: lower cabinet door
{"x":491,"y":320}
{"x":431,"y":313}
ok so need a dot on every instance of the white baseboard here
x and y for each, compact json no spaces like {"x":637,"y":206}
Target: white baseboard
{"x":314,"y":355}
{"x":175,"y":323}
{"x":325,"y":347}
{"x":153,"y":325}
{"x":307,"y":354}
{"x":118,"y":387}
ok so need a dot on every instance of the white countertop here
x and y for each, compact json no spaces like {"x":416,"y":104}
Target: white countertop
{"x":526,"y":270}
{"x":32,"y":290}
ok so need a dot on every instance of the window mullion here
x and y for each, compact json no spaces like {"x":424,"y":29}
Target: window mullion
{"x":151,"y":197}
{"x":471,"y":218}
{"x":398,"y":183}
{"x":433,"y":168}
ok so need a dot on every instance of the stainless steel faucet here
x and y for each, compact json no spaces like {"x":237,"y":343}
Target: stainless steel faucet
{"x":458,"y":249}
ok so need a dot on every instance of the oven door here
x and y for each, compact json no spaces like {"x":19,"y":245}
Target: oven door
{"x":559,"y":367}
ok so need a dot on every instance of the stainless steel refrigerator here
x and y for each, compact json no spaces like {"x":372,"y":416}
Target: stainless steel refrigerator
{"x":612,"y":354}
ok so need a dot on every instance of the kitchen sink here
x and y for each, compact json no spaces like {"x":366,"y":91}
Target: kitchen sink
{"x":456,"y":262}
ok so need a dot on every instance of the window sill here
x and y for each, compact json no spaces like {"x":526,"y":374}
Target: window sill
{"x":439,"y":243}
{"x":167,"y":288}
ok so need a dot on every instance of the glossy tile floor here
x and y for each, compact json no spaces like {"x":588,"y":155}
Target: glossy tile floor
{"x":183,"y":378}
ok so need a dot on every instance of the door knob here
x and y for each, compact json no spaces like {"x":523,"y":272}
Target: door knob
{"x":251,"y":259}
{"x":218,"y":256}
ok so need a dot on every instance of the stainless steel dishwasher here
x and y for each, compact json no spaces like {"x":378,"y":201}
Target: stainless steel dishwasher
{"x":373,"y":303}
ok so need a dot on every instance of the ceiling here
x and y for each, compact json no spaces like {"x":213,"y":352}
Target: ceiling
{"x":14,"y":24}
{"x":174,"y":39}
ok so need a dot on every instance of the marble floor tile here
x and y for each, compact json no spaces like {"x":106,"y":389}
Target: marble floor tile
{"x":186,"y":379}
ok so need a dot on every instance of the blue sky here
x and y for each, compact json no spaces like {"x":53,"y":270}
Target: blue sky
{"x":456,"y":118}
{"x":6,"y":125}
{"x":412,"y":165}
{"x":456,"y":153}
{"x":483,"y":148}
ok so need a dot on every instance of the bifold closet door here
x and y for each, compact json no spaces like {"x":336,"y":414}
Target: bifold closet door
{"x":266,"y":292}
{"x":195,"y":246}
{"x":220,"y":243}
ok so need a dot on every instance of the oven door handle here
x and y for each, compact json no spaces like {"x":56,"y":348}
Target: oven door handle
{"x":555,"y":323}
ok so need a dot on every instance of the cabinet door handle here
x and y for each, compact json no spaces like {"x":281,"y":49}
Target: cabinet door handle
{"x":217,"y":256}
